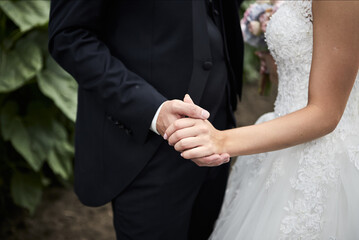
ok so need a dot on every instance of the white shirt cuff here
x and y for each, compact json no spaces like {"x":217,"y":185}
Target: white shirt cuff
{"x":154,"y":120}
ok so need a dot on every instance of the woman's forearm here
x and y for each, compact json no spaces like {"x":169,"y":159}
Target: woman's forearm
{"x":301,"y":126}
{"x":334,"y":68}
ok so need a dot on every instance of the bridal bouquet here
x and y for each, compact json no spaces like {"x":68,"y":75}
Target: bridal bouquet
{"x":254,"y":25}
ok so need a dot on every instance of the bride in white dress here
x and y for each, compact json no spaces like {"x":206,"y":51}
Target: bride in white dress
{"x":310,"y":188}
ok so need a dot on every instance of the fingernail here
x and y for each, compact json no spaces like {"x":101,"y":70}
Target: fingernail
{"x":165,"y":136}
{"x":205,"y":114}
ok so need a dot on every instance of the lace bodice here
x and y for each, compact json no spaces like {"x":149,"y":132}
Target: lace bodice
{"x":304,"y":192}
{"x":290,"y":39}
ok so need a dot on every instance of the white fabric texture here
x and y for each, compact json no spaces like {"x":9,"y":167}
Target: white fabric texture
{"x":309,"y":191}
{"x":153,"y":126}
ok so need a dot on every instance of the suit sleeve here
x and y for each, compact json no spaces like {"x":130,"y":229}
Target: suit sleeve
{"x":74,"y":42}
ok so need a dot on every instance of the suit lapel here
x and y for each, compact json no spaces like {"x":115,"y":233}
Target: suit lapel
{"x":202,"y":58}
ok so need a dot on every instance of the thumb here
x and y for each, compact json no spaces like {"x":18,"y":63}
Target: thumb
{"x":191,"y":110}
{"x":188,"y":99}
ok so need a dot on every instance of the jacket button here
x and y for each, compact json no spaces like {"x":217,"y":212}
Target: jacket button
{"x":207,"y":65}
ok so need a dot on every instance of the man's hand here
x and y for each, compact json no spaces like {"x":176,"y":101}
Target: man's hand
{"x":210,"y":160}
{"x":173,"y":110}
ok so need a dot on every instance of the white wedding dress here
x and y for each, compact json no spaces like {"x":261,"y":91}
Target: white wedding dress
{"x":310,"y":191}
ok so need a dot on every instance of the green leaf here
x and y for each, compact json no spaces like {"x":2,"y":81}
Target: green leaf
{"x":58,"y":164}
{"x":2,"y":97}
{"x":59,"y":131}
{"x":38,"y":136}
{"x":26,"y":190}
{"x":252,"y":64}
{"x":58,"y":85}
{"x":49,"y":138}
{"x":19,"y":65}
{"x":38,"y":122}
{"x":13,"y":130}
{"x":39,"y":37}
{"x":27,"y":14}
{"x":22,"y":142}
{"x":45,"y":181}
{"x":60,"y":157}
{"x":8,"y":115}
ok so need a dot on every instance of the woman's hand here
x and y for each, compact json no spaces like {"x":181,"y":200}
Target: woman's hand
{"x":197,"y":140}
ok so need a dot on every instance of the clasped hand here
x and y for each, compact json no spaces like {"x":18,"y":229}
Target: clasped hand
{"x":197,"y":140}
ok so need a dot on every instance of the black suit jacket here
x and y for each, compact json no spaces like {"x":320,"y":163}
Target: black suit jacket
{"x":128,"y":56}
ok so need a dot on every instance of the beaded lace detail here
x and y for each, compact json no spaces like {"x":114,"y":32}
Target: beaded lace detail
{"x":290,"y":39}
{"x":305,"y":8}
{"x":318,"y":173}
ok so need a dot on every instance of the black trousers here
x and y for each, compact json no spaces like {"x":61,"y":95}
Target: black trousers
{"x":172,"y":198}
{"x":170,"y":203}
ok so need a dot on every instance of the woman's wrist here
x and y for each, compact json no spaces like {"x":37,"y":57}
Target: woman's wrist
{"x":222,"y":141}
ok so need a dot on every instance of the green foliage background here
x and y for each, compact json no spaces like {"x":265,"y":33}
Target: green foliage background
{"x":37,"y":107}
{"x":251,"y":61}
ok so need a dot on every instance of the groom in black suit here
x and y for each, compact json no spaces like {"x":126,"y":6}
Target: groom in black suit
{"x":132,"y":59}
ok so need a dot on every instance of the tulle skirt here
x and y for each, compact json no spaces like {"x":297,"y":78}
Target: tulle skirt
{"x":310,"y":191}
